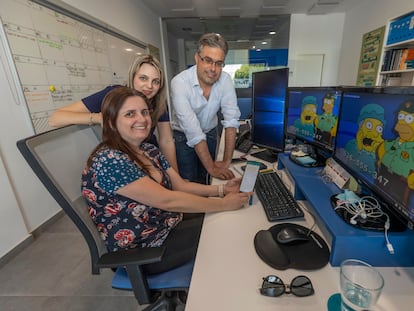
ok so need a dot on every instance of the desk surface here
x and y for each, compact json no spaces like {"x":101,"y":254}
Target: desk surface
{"x":228,"y":273}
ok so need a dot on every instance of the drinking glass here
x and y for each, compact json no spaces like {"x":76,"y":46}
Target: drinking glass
{"x":361,"y":285}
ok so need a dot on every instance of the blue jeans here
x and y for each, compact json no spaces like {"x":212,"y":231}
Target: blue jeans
{"x":189,"y":166}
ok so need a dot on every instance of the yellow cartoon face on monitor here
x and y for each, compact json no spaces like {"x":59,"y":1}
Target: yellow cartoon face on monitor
{"x":308,"y":113}
{"x":328,"y":103}
{"x":405,"y":122}
{"x":371,"y":125}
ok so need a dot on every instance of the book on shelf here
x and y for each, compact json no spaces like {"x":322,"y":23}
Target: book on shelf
{"x":398,"y":59}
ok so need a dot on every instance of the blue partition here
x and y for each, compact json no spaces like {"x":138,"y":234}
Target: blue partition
{"x":346,"y":240}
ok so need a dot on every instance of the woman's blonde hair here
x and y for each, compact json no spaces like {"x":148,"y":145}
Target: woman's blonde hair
{"x":158,"y":102}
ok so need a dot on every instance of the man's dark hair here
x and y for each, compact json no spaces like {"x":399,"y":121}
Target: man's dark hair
{"x":213,"y":40}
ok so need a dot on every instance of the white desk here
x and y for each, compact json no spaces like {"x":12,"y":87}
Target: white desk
{"x":228,"y":273}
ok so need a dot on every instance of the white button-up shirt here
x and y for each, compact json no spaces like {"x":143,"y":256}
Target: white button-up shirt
{"x":193,"y":114}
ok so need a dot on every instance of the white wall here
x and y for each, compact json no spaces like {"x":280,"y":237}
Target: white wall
{"x":369,"y":15}
{"x":25,"y":203}
{"x":316,"y":35}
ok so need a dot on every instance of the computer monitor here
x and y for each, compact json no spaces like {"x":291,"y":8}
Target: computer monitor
{"x":375,"y":144}
{"x":311,"y":119}
{"x":244,"y":101}
{"x":269,"y":97}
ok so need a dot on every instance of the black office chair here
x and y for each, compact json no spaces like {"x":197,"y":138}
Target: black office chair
{"x":58,"y":157}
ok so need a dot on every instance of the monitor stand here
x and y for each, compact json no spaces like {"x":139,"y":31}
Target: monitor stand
{"x":372,"y":224}
{"x":266,"y":155}
{"x":307,"y":156}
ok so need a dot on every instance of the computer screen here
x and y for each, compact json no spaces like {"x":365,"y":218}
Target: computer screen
{"x":244,"y":101}
{"x":312,"y":115}
{"x":269,"y":97}
{"x":375,"y":144}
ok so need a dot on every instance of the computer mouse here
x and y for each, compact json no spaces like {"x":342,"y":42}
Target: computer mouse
{"x":291,"y":235}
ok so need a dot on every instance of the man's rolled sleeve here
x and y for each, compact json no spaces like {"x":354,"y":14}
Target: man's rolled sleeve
{"x":229,"y":108}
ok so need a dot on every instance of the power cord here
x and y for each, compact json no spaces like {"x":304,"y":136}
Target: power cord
{"x":303,"y":206}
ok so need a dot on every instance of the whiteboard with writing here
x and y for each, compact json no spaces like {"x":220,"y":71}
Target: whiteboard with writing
{"x":59,"y":59}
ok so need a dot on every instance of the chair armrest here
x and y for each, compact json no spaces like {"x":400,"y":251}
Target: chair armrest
{"x":139,"y":256}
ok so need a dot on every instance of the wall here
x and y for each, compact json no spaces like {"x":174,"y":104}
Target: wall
{"x":35,"y":205}
{"x":369,"y":15}
{"x":316,"y":35}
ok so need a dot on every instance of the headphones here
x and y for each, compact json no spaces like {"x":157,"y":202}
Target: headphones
{"x":365,"y":213}
{"x":354,"y":219}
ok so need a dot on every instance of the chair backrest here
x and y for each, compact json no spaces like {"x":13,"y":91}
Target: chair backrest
{"x":58,"y":157}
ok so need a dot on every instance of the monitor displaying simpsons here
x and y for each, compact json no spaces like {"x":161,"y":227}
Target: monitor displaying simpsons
{"x":312,"y":115}
{"x":375,"y":143}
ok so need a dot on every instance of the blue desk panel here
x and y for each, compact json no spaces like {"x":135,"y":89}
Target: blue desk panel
{"x":346,"y":240}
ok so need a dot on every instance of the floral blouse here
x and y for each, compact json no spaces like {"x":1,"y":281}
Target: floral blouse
{"x":122,"y":222}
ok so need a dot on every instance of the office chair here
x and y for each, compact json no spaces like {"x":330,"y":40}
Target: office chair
{"x":58,"y":157}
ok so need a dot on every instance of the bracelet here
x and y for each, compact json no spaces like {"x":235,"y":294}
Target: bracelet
{"x":90,"y":119}
{"x":221,"y":190}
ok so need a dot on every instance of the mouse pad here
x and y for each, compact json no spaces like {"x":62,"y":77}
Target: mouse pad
{"x":304,"y":255}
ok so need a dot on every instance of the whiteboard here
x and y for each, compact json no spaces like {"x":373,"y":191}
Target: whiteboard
{"x":59,"y":59}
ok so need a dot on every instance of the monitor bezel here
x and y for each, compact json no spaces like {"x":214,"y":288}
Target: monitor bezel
{"x":281,"y":146}
{"x":320,"y":146}
{"x":376,"y":191}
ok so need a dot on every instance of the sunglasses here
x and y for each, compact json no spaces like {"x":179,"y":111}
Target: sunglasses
{"x":273,"y":286}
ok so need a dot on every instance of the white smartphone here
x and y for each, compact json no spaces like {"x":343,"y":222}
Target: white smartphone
{"x":249,"y":176}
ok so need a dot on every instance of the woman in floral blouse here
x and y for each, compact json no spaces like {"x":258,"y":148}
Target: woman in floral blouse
{"x":135,"y":197}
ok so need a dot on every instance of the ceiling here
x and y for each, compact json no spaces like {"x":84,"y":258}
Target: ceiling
{"x":244,"y":23}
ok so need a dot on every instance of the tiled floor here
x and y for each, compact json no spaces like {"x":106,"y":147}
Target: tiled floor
{"x":53,"y":273}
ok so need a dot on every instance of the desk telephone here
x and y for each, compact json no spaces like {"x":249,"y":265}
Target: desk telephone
{"x":243,"y":142}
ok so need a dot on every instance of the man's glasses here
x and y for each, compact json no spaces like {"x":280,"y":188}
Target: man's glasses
{"x":210,"y":62}
{"x":273,"y":286}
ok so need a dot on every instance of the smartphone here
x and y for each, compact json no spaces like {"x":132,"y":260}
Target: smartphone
{"x":249,"y":176}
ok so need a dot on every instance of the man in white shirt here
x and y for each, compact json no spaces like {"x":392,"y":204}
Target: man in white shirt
{"x":197,"y":94}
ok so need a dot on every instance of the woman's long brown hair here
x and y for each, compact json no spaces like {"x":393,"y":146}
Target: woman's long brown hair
{"x":112,"y":103}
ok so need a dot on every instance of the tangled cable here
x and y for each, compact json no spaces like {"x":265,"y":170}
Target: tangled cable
{"x":365,"y":208}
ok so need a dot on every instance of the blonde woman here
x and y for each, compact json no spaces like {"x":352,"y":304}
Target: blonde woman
{"x":146,"y":76}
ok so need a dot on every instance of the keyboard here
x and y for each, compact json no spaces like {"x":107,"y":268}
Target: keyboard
{"x":276,"y":199}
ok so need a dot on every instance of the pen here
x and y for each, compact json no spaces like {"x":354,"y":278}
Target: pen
{"x":267,"y":170}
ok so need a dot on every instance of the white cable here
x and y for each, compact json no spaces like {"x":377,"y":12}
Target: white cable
{"x":303,"y":206}
{"x":367,"y":207}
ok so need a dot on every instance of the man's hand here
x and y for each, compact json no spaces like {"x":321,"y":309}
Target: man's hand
{"x":221,"y":172}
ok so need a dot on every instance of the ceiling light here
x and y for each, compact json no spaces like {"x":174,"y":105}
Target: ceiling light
{"x":264,"y":42}
{"x":272,"y":32}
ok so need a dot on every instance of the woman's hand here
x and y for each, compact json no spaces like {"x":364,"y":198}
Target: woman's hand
{"x":232,"y":185}
{"x":233,"y":201}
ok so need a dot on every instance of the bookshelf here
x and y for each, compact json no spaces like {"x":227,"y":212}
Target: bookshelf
{"x":397,"y":64}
